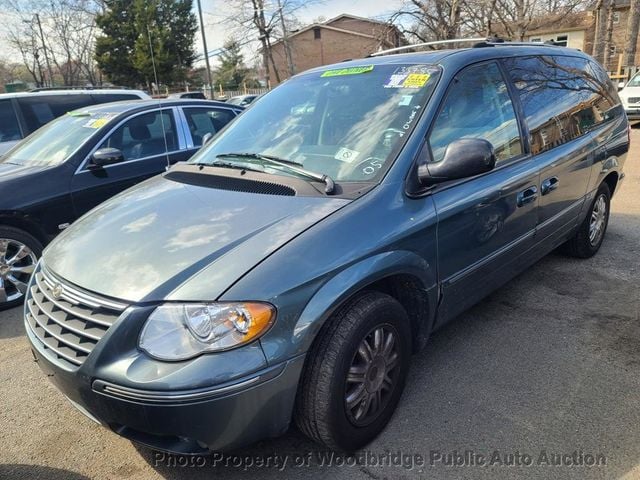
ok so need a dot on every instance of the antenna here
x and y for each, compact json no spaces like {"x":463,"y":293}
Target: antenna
{"x":155,"y":76}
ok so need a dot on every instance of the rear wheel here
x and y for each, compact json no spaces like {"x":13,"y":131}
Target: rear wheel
{"x":19,"y":253}
{"x":590,"y":234}
{"x":355,"y":373}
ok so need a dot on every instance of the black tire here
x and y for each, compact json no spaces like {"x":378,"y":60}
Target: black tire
{"x":321,"y":411}
{"x":8,"y":287}
{"x":582,"y":245}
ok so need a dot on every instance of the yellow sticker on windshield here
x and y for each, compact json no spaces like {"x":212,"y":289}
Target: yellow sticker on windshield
{"x":415,"y":80}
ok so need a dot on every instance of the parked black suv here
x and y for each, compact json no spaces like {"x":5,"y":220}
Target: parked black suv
{"x":83,"y":158}
{"x":290,"y":268}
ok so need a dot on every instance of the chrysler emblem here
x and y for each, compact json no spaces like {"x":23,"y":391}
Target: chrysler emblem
{"x":56,"y":291}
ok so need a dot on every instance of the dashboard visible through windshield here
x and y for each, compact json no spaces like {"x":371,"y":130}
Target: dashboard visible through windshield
{"x":346,"y":123}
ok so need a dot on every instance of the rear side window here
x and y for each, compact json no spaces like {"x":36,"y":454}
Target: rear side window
{"x":9,"y":128}
{"x":38,"y":110}
{"x":113,"y":97}
{"x":478,"y":105}
{"x":142,"y":136}
{"x":562,"y":98}
{"x":206,"y":120}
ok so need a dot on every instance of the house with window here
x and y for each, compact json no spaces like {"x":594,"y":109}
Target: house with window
{"x":577,"y":30}
{"x":340,"y":38}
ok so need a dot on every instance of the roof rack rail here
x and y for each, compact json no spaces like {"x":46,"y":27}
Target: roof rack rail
{"x":479,"y":43}
{"x":77,"y":87}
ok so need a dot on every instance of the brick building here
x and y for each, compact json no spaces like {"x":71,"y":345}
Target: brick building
{"x":337,"y":39}
{"x":578,"y":31}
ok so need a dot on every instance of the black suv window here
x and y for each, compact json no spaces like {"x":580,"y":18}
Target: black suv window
{"x":203,"y":120}
{"x":40,"y":109}
{"x":113,"y":97}
{"x":9,"y":129}
{"x":478,"y":105}
{"x":562,"y":98}
{"x":142,"y":136}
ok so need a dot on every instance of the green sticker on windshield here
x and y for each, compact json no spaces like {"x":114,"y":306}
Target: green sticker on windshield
{"x":347,"y":71}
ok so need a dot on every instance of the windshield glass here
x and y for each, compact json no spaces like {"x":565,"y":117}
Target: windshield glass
{"x":346,"y":123}
{"x":54,"y":143}
{"x":635,"y":81}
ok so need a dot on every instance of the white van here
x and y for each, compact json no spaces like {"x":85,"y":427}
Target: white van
{"x":23,"y":113}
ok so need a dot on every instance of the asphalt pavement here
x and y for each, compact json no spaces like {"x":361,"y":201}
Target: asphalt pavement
{"x":540,"y":380}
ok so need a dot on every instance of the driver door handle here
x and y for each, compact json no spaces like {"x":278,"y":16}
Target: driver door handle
{"x":528,"y":195}
{"x":549,"y":185}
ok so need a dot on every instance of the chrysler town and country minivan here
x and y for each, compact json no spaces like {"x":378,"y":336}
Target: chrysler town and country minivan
{"x":288,"y":270}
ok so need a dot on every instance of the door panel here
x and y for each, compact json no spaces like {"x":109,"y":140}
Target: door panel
{"x":481,"y":233}
{"x":143,"y":140}
{"x":484,"y":223}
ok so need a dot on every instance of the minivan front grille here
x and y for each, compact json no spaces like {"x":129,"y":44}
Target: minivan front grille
{"x":67,"y":321}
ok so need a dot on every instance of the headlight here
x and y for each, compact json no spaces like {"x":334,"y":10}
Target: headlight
{"x":182,"y":331}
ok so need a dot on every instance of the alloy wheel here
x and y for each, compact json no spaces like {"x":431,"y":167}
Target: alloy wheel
{"x":598,"y":220}
{"x":372,"y":375}
{"x":17,"y":263}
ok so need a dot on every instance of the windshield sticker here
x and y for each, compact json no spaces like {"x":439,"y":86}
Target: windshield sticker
{"x":346,"y":155}
{"x":412,"y":76}
{"x":416,"y":80}
{"x":347,"y":71}
{"x":405,"y":100}
{"x":99,"y":120}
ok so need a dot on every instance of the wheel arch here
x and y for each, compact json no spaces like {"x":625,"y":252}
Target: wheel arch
{"x":20,"y":220}
{"x":401,"y":274}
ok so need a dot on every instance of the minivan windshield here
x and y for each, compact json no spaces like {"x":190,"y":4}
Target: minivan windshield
{"x":54,"y":143}
{"x":346,"y":123}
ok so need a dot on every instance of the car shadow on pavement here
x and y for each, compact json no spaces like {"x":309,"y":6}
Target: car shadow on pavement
{"x":30,"y":472}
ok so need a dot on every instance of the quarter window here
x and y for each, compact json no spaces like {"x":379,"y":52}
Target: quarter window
{"x":9,"y":129}
{"x":144,"y":136}
{"x":478,"y":106}
{"x":206,"y":120}
{"x":562,"y":98}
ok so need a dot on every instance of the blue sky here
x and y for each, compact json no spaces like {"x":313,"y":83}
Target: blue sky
{"x":216,"y":10}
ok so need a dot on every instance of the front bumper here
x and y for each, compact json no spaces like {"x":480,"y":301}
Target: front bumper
{"x":197,"y":421}
{"x":632,"y":113}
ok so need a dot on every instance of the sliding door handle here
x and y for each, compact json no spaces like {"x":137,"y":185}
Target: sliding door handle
{"x":549,"y":185}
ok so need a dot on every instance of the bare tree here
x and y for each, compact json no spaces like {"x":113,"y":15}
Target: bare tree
{"x":67,"y":39}
{"x":601,"y":29}
{"x":631,"y":40}
{"x":426,"y":20}
{"x":606,"y":59}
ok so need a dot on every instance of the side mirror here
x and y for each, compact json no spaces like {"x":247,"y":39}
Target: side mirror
{"x":620,"y":85}
{"x":206,"y":139}
{"x":106,"y":156}
{"x":463,"y":158}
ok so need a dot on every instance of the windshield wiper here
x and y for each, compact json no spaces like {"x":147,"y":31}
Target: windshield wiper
{"x":291,"y":165}
{"x":226,"y":165}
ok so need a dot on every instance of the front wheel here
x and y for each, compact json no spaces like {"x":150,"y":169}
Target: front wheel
{"x":19,"y":253}
{"x":355,"y":373}
{"x":590,"y":235}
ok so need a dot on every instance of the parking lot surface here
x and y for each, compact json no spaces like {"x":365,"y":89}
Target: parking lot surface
{"x":540,"y":380}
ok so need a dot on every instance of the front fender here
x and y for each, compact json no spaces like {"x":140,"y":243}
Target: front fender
{"x":301,"y":330}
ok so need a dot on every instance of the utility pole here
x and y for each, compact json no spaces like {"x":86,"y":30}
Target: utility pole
{"x":206,"y":51}
{"x":285,"y":42}
{"x":44,"y":47}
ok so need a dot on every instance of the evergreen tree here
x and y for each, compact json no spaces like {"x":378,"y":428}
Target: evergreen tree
{"x":232,"y":71}
{"x":128,"y":27}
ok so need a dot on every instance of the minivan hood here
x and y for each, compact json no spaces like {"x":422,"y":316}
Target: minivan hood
{"x":145,"y":243}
